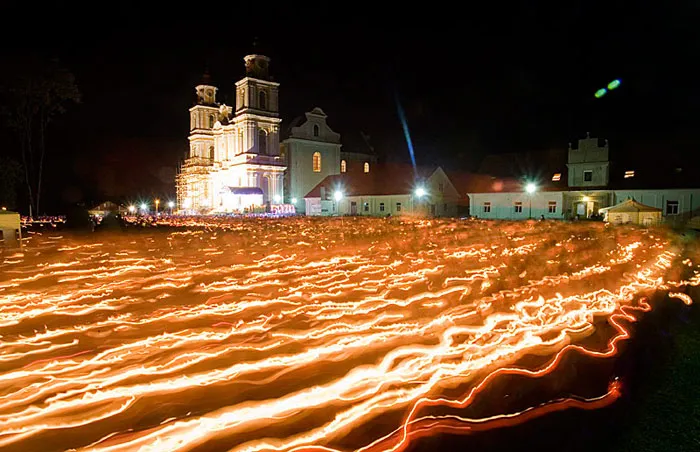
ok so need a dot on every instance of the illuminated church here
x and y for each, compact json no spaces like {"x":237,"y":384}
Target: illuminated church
{"x":236,"y":163}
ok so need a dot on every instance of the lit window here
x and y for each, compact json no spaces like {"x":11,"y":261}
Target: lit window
{"x":487,"y":207}
{"x":316,"y":130}
{"x":587,"y":176}
{"x":343,"y":166}
{"x":366,"y":207}
{"x":398,"y":207}
{"x":366,"y":167}
{"x":262,"y":100}
{"x":552,"y":207}
{"x":317,"y":162}
{"x":262,"y":142}
{"x":629,"y":174}
{"x":518,"y":207}
{"x":671,"y":207}
{"x":556,"y":177}
{"x":381,"y":207}
{"x":211,"y":121}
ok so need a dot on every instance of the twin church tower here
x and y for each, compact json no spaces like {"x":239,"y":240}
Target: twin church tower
{"x":235,"y":162}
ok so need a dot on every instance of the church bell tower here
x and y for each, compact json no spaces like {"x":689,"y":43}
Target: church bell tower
{"x":203,"y":116}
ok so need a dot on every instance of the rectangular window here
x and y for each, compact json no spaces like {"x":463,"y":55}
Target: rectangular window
{"x":487,"y":207}
{"x":629,"y":174}
{"x":671,"y":207}
{"x":366,"y":207}
{"x":381,"y":207}
{"x":518,"y":207}
{"x":588,"y":176}
{"x":398,"y":207}
{"x":441,"y":187}
{"x":556,"y":177}
{"x":552,"y":207}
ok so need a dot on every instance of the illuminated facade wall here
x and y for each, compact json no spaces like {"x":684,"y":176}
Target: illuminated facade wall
{"x":314,"y":136}
{"x":233,"y":148}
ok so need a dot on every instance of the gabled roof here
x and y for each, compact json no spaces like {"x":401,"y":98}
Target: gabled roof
{"x":630,"y":205}
{"x":383,"y":179}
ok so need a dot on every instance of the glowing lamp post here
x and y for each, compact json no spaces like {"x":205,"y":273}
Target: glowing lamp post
{"x":144,"y":207}
{"x":294,"y":200}
{"x":338,"y":195}
{"x":132,"y":209}
{"x":277,"y":199}
{"x":420,"y":193}
{"x":530,"y":189}
{"x":157,"y":203}
{"x":171,"y":205}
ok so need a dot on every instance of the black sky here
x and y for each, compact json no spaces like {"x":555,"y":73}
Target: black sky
{"x":473,"y":80}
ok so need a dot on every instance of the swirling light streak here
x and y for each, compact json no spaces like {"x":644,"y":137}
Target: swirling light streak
{"x":212,"y":333}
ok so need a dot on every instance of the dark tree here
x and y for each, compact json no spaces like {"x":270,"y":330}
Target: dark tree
{"x":33,"y":92}
{"x":10,"y":178}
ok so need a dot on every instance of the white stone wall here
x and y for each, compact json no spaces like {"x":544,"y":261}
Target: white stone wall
{"x":502,"y":205}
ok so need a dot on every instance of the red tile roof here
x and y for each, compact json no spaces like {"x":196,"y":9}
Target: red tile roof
{"x":383,"y":179}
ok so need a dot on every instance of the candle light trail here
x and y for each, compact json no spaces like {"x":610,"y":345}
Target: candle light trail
{"x":229,"y":334}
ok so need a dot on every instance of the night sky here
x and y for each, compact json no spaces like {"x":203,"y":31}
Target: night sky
{"x":473,"y":80}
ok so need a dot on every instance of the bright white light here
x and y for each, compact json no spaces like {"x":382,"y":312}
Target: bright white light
{"x":132,"y":208}
{"x":586,"y":198}
{"x":187,"y":203}
{"x":278,"y":198}
{"x":294,"y":200}
{"x":338,"y":195}
{"x":144,"y":206}
{"x":530,"y":188}
{"x":420,"y":192}
{"x":171,"y":204}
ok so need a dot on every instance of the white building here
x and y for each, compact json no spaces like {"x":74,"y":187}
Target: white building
{"x":580,"y":188}
{"x":386,"y":189}
{"x":232,"y":151}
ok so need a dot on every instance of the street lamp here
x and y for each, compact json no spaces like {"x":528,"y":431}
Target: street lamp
{"x":420,"y":192}
{"x":157,"y":202}
{"x":144,"y":206}
{"x":530,"y":188}
{"x":294,"y":200}
{"x":171,"y":204}
{"x":278,"y":198}
{"x":132,"y":208}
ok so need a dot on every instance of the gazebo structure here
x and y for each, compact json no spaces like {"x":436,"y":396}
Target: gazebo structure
{"x":632,"y":212}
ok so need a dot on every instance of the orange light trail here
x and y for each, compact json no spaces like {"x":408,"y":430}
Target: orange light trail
{"x":306,"y":334}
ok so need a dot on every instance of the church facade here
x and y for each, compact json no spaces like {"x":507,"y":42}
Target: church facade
{"x":234,"y":163}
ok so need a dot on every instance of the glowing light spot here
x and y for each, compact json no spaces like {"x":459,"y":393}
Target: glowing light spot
{"x":614,"y":84}
{"x":600,"y":93}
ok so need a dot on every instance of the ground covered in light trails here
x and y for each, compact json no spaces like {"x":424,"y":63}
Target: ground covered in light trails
{"x":305,"y":333}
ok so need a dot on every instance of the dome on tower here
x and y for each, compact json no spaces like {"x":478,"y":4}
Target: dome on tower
{"x":257,"y":66}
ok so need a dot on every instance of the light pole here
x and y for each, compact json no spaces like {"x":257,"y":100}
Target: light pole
{"x":157,"y":202}
{"x":530,"y":188}
{"x":171,"y":205}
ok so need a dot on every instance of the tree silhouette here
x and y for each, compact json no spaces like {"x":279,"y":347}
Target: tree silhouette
{"x":35,"y":91}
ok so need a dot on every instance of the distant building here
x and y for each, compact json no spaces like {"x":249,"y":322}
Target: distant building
{"x":107,"y":207}
{"x":386,"y":189}
{"x":579,"y":187}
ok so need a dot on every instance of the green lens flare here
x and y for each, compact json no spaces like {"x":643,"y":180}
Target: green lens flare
{"x":600,"y":93}
{"x":614,"y":84}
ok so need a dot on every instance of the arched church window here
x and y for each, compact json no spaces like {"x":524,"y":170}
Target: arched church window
{"x":317,"y":162}
{"x":262,"y":101}
{"x":262,"y":142}
{"x":211,"y":152}
{"x":211,"y":121}
{"x":343,"y":166}
{"x":366,"y":167}
{"x":316,"y":130}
